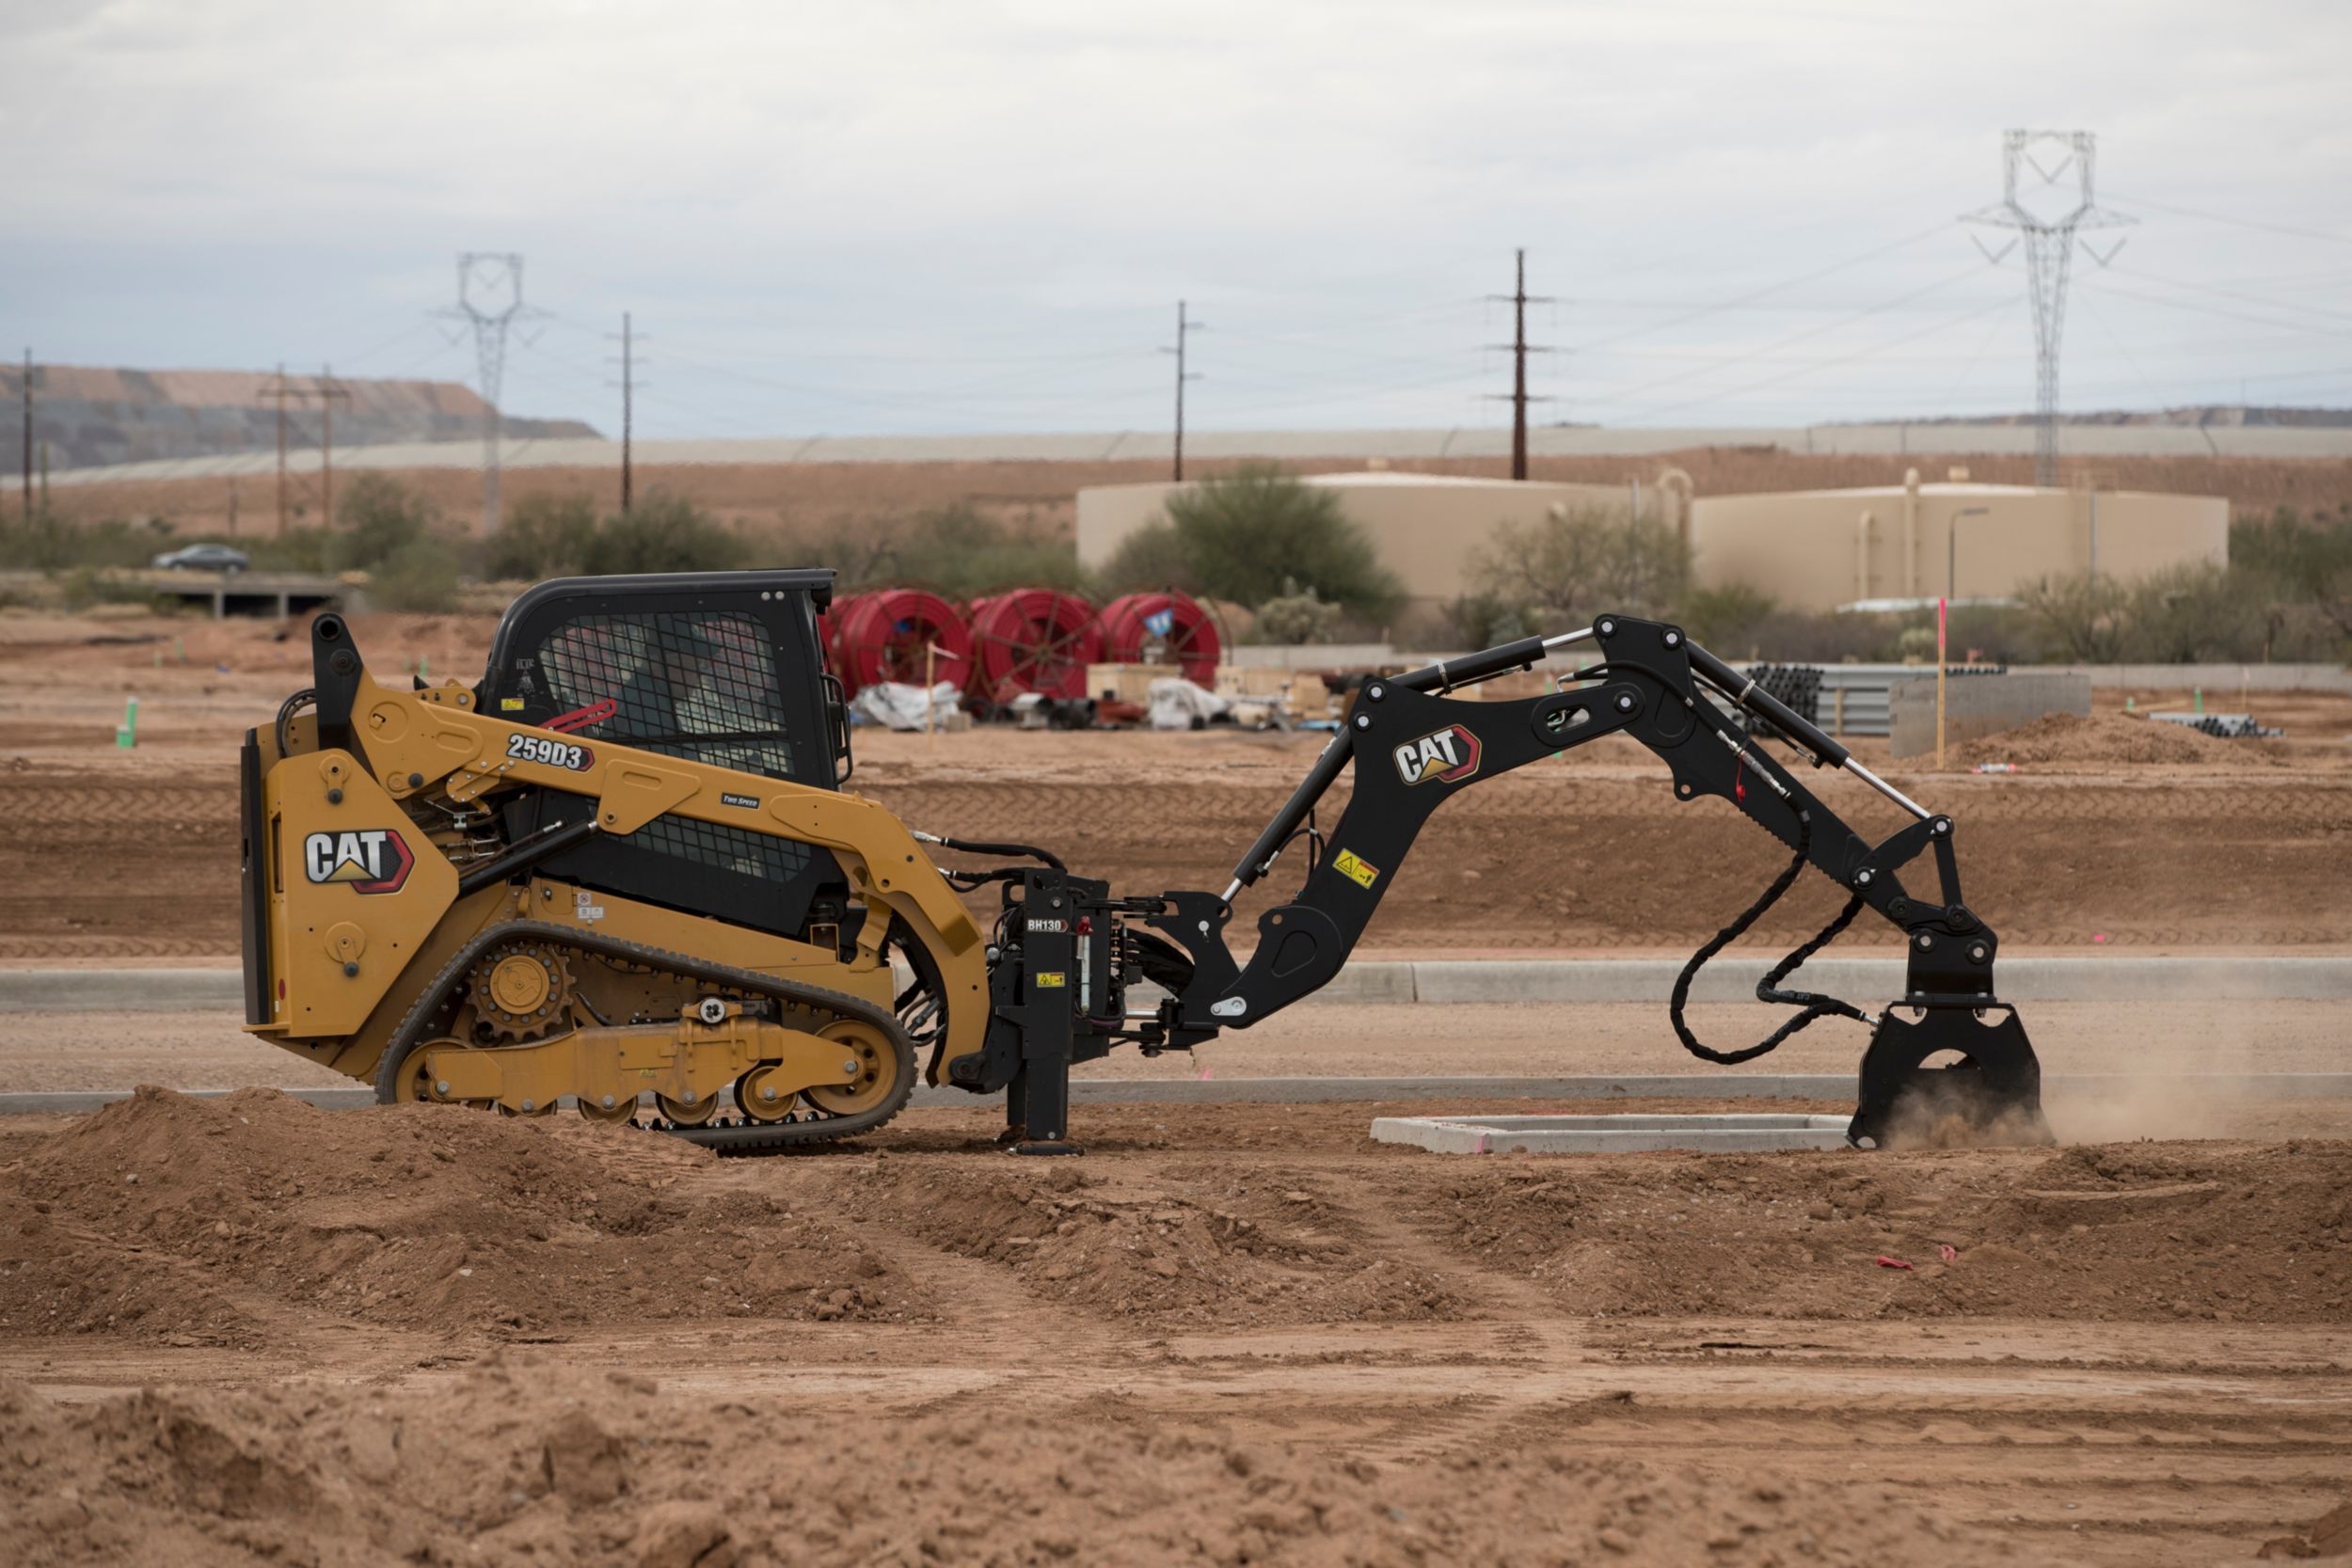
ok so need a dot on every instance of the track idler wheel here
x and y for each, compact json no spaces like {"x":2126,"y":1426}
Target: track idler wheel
{"x":879,"y":1067}
{"x":1990,"y":1095}
{"x":681,"y":1114}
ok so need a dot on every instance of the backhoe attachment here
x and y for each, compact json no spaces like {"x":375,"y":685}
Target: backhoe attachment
{"x":1958,"y":1067}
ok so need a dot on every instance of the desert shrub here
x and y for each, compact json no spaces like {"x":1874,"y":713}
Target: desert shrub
{"x":1576,"y":563}
{"x":298,"y":549}
{"x":664,"y":533}
{"x":958,"y":552}
{"x":2083,"y":614}
{"x":421,"y":575}
{"x":50,"y":542}
{"x":543,"y":536}
{"x":1151,"y":557}
{"x":1297,"y":618}
{"x":1482,"y":620}
{"x":1726,"y":619}
{"x":1244,"y":535}
{"x":376,"y":519}
{"x":2305,"y":568}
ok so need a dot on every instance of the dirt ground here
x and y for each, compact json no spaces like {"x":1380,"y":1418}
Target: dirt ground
{"x":828,"y":495}
{"x":246,"y":1331}
{"x":2172,"y":843}
{"x":243,"y":1331}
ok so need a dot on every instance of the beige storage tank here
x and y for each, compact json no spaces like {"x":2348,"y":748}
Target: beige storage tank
{"x":1818,"y":549}
{"x":1426,"y":528}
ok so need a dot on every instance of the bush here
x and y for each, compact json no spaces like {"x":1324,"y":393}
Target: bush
{"x":378,"y":518}
{"x":1574,"y":564}
{"x":1482,"y":620}
{"x":421,"y":575}
{"x":1152,"y":557}
{"x":1726,"y":619}
{"x":663,"y":533}
{"x":1249,"y":536}
{"x":298,"y":549}
{"x":48,"y":542}
{"x":1298,"y":619}
{"x":956,"y":550}
{"x":544,"y":536}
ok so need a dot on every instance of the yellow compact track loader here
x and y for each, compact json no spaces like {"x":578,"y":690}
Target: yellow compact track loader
{"x":622,"y":872}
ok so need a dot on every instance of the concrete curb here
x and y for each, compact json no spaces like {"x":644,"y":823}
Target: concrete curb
{"x":1738,"y":1132}
{"x":1323,"y":1091}
{"x":1867,"y":982}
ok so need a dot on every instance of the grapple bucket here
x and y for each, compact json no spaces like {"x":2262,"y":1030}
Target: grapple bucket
{"x":1990,"y":1093}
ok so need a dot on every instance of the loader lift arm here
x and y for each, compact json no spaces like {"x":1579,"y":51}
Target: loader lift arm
{"x":1414,"y":747}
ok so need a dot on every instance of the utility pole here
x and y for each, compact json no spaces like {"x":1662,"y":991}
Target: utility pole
{"x":329,"y":393}
{"x":282,"y":391}
{"x":28,"y":437}
{"x":1186,"y":327}
{"x":1520,"y":299}
{"x":2049,"y":236}
{"x":490,"y":298}
{"x":628,"y":340}
{"x":279,"y":391}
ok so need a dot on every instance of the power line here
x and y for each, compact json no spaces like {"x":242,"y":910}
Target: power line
{"x":2212,"y":310}
{"x":1817,"y":330}
{"x":2222,"y":292}
{"x":1740,"y":301}
{"x":1929,"y":330}
{"x":2235,"y":222}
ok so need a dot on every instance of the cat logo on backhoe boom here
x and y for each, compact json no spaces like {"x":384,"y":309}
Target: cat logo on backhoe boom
{"x":1449,"y":755}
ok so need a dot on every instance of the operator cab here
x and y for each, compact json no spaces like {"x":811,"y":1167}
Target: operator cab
{"x":724,"y":668}
{"x":721,"y":668}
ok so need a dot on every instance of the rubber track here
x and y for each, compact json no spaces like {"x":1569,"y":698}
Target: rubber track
{"x":749,"y":1138}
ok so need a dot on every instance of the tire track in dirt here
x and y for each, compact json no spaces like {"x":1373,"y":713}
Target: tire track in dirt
{"x":1550,"y":858}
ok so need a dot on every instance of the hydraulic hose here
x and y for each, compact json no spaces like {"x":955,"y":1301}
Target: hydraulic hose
{"x":1812,"y":1006}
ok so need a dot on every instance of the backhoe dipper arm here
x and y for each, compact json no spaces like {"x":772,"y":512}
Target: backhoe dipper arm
{"x":1415,"y":748}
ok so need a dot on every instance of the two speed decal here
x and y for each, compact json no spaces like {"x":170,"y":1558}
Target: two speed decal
{"x":551,"y":753}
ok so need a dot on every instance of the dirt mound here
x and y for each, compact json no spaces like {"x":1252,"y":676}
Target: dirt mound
{"x":2329,"y":1535}
{"x":1174,"y":1251}
{"x":2256,"y":1234}
{"x":2062,"y":739}
{"x":170,"y":1217}
{"x":526,"y":1463}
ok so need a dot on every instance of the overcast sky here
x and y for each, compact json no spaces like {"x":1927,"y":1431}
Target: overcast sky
{"x":975,"y":217}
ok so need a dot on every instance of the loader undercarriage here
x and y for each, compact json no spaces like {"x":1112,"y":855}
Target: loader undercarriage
{"x":746,"y":1061}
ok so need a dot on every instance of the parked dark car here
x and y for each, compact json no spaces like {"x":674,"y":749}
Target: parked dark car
{"x":202,"y":558}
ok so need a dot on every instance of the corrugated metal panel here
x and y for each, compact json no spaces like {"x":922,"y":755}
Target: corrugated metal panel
{"x":1855,"y":698}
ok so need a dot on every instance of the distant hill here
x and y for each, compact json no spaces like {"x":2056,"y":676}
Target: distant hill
{"x":2211,"y":414}
{"x":90,"y":417}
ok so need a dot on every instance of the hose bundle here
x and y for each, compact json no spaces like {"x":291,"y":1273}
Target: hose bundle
{"x":1811,"y":1004}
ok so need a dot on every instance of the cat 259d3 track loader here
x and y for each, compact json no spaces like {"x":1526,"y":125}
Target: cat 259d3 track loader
{"x":623,"y":864}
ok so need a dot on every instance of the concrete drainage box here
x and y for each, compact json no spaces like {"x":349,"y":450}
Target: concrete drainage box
{"x":1734,"y":1132}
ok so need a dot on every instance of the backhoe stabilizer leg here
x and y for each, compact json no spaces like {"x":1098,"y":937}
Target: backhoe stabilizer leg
{"x":1990,"y":1093}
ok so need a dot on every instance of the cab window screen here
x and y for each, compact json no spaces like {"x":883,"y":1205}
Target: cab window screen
{"x":699,"y":686}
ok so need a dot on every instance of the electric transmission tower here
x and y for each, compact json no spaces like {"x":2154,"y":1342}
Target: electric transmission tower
{"x":2048,"y":217}
{"x":490,"y":298}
